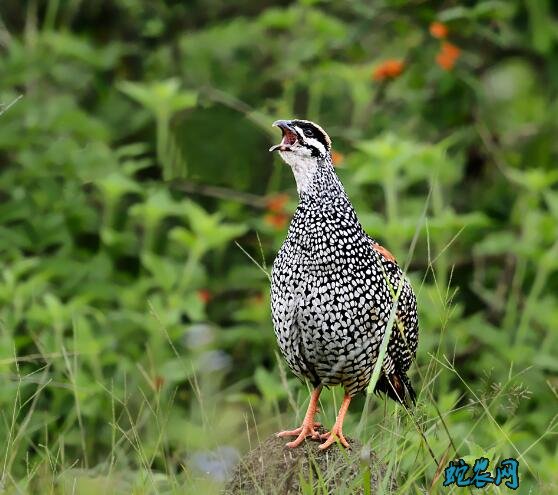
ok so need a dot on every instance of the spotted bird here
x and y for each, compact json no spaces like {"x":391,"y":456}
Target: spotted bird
{"x":333,"y":288}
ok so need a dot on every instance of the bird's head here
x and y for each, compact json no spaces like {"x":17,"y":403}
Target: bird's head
{"x":302,"y":140}
{"x":303,"y":147}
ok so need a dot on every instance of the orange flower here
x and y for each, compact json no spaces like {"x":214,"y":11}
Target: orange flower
{"x":277,"y":202}
{"x":448,"y":55}
{"x":277,"y":220}
{"x":438,"y":30}
{"x":337,"y":158}
{"x":388,"y":69}
{"x":205,"y":295}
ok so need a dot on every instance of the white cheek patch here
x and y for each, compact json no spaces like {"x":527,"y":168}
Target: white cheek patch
{"x":317,"y":144}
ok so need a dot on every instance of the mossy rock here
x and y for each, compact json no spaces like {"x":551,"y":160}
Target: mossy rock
{"x":273,"y":468}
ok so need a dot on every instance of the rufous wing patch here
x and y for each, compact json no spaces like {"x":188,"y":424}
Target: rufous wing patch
{"x":384,"y":252}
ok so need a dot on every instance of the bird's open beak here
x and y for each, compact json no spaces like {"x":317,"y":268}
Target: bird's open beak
{"x":289,"y":136}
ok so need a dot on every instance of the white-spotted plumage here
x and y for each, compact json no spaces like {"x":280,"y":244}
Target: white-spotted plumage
{"x":332,"y":289}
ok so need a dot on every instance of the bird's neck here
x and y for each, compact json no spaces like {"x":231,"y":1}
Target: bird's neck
{"x":317,"y":180}
{"x":324,"y":217}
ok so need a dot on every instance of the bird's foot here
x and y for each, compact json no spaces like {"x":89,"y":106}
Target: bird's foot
{"x":306,"y":430}
{"x":331,"y":437}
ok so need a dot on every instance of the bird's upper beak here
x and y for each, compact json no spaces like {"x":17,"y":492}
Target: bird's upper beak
{"x":289,"y":136}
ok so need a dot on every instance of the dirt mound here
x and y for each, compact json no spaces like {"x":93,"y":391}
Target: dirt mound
{"x":272,"y":468}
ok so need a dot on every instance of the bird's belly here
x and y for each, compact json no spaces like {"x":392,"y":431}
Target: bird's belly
{"x":331,"y":323}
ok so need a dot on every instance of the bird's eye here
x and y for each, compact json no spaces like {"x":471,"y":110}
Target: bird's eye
{"x":308,"y":132}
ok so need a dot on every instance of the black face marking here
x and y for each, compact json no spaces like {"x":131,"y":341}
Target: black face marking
{"x":315,"y":151}
{"x":311,"y":131}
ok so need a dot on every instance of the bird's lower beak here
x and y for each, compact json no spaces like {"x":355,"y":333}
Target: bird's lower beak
{"x":289,"y":136}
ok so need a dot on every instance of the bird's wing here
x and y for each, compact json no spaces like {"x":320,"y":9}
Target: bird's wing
{"x":383,"y":251}
{"x":404,"y":337}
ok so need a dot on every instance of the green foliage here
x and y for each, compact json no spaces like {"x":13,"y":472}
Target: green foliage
{"x":138,"y":220}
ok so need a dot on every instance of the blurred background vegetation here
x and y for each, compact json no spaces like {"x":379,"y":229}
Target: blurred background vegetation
{"x":140,"y":212}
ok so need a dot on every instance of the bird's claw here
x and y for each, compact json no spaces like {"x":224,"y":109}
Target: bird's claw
{"x":330,"y":438}
{"x":301,"y":434}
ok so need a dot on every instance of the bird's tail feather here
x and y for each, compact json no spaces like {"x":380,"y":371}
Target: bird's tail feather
{"x":397,"y":387}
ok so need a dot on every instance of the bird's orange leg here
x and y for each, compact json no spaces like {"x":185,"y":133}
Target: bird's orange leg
{"x":308,"y":425}
{"x":337,"y":431}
